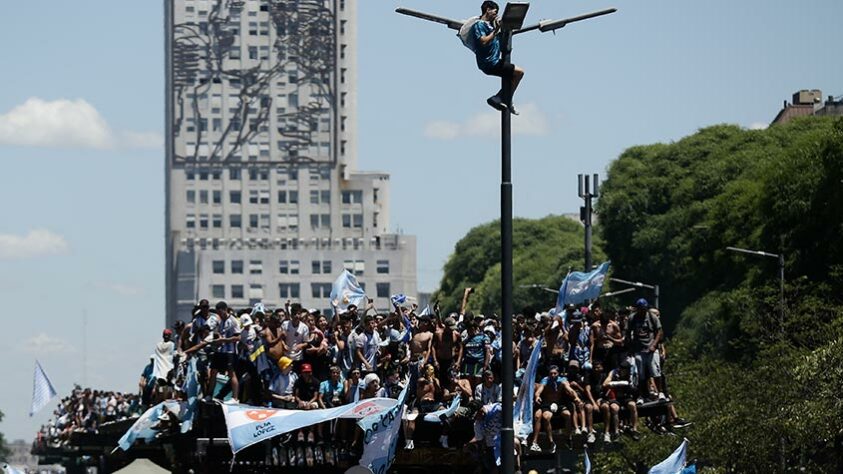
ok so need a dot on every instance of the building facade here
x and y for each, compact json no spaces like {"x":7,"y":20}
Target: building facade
{"x":808,"y":102}
{"x":263,"y":198}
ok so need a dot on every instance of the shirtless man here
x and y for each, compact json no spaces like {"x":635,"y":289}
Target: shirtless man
{"x":445,"y":340}
{"x":422,"y":342}
{"x":607,"y":338}
{"x":427,"y":396}
{"x":553,"y":395}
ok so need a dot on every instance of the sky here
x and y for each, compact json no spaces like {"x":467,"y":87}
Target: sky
{"x":81,"y":144}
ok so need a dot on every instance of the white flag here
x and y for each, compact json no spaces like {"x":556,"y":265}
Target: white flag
{"x":42,"y":390}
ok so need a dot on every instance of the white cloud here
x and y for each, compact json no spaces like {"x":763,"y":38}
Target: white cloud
{"x":121,"y":289}
{"x":37,"y":243}
{"x":67,"y":123}
{"x":531,"y":121}
{"x":758,"y":126}
{"x":46,"y":344}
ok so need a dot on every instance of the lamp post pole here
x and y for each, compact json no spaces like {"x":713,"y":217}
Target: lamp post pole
{"x":507,"y":431}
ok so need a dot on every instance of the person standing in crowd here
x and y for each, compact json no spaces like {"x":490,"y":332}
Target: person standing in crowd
{"x":488,"y":391}
{"x":366,"y":345}
{"x":608,"y":339}
{"x":163,"y":366}
{"x":226,"y":356}
{"x":421,"y":343}
{"x":644,"y":331}
{"x":296,"y":335}
{"x":476,"y":353}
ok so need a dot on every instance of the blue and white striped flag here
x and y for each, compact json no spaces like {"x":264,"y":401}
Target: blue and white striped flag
{"x":42,"y":390}
{"x":587,"y":463}
{"x":346,"y":291}
{"x":380,"y":435}
{"x":675,"y":463}
{"x":436,"y":416}
{"x":580,"y":286}
{"x":523,"y":412}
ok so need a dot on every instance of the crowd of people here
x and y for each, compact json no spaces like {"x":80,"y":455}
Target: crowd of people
{"x":84,"y":410}
{"x":597,"y":366}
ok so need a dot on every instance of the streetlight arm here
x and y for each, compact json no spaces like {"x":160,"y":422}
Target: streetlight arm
{"x":637,"y":284}
{"x":753,"y":252}
{"x":552,"y":25}
{"x":619,"y":292}
{"x":452,"y":24}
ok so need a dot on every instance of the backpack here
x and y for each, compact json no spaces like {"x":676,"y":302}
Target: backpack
{"x":465,"y":33}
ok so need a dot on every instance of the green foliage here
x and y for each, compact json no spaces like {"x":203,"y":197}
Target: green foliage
{"x":4,"y":448}
{"x":543,"y":252}
{"x":760,"y":390}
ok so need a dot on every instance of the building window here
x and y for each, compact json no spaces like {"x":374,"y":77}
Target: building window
{"x":293,"y":197}
{"x":314,"y":197}
{"x":203,"y":197}
{"x":235,"y":220}
{"x":294,"y":267}
{"x":203,"y":221}
{"x":383,"y":267}
{"x":253,"y":196}
{"x":218,"y":291}
{"x":357,"y":267}
{"x":326,"y":267}
{"x":320,"y":290}
{"x":289,"y":290}
{"x":234,"y":173}
{"x":264,"y":222}
{"x":282,"y":197}
{"x":255,"y":267}
{"x":237,"y":292}
{"x":237,"y":267}
{"x":382,"y":290}
{"x":284,"y":267}
{"x":263,"y":196}
{"x":190,"y":221}
{"x":288,"y":222}
{"x":234,"y":197}
{"x":255,"y":292}
{"x":217,"y":197}
{"x":218,"y":266}
{"x":358,"y":220}
{"x":346,"y":221}
{"x":189,"y":175}
{"x":352,"y":197}
{"x":191,"y":196}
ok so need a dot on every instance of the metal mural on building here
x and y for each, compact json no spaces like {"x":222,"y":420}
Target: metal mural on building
{"x":208,"y":53}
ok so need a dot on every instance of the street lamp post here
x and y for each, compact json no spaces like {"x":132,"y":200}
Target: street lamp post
{"x":780,"y":258}
{"x":511,"y":24}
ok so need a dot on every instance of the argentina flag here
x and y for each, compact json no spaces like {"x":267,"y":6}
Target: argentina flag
{"x":675,"y":463}
{"x":580,"y":286}
{"x":523,"y":411}
{"x":42,"y":390}
{"x":346,"y":291}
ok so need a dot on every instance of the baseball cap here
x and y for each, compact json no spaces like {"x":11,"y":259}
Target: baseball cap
{"x":642,"y":303}
{"x":245,"y":320}
{"x":451,"y":322}
{"x":306,"y":368}
{"x":371,"y":378}
{"x":168,"y":332}
{"x":284,"y":362}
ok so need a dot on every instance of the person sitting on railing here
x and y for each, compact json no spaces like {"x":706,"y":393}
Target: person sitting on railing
{"x":620,"y":393}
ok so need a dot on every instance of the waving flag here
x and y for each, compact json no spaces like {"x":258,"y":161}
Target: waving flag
{"x":248,"y":425}
{"x":523,"y":410}
{"x":191,"y":389}
{"x":347,"y":291}
{"x":42,"y":390}
{"x":587,"y":463}
{"x":579,"y":286}
{"x":380,"y":435}
{"x":144,"y":427}
{"x":436,"y":416}
{"x":675,"y":463}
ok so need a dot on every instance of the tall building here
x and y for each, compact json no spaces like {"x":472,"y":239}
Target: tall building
{"x":263,"y":198}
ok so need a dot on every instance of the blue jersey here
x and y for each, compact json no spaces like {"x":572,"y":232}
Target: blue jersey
{"x":488,"y":55}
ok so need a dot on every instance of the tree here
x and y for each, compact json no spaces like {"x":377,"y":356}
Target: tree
{"x":543,"y":252}
{"x":4,"y":447}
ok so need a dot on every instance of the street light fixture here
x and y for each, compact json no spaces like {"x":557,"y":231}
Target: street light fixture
{"x":638,"y":284}
{"x":514,"y":15}
{"x":780,"y":258}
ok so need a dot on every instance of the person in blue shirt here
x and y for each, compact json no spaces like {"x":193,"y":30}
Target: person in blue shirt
{"x":487,"y":49}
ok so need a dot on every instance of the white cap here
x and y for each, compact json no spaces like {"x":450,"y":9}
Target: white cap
{"x":245,"y":320}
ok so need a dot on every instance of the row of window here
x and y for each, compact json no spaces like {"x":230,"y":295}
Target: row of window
{"x":262,"y":221}
{"x":292,"y":267}
{"x":262,"y":196}
{"x":256,"y":174}
{"x":286,"y":291}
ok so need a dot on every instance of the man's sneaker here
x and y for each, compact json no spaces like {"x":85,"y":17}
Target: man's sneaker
{"x":635,"y":435}
{"x":552,"y":448}
{"x":592,"y":437}
{"x":662,"y":398}
{"x":680,"y":423}
{"x":409,"y":445}
{"x":512,"y":110}
{"x":607,"y":438}
{"x":524,"y":442}
{"x":443,"y":440}
{"x":640,"y":401}
{"x":535,"y":448}
{"x":577,"y":431}
{"x":496,"y":102}
{"x":232,"y":401}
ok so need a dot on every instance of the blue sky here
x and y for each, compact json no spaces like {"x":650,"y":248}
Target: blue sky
{"x":81,"y":228}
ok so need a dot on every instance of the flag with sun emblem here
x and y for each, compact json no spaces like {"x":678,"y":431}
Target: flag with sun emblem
{"x":346,"y":291}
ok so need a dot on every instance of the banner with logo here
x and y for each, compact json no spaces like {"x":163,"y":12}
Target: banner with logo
{"x":248,"y":425}
{"x":380,"y":436}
